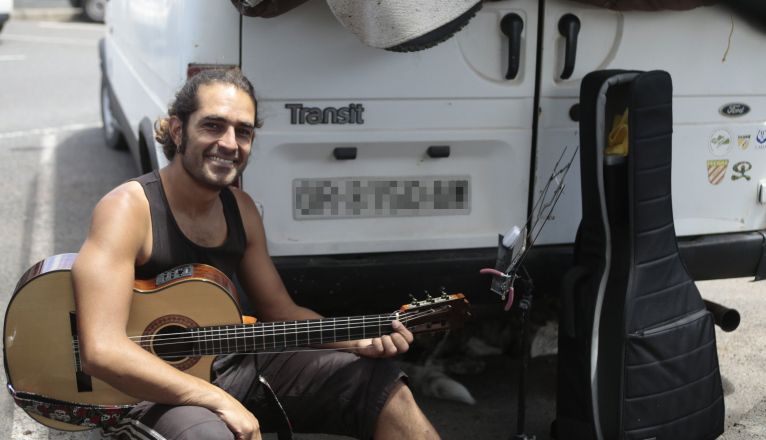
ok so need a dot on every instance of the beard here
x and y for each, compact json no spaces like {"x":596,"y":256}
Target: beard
{"x":205,"y":173}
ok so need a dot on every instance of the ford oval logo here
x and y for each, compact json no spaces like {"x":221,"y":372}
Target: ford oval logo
{"x":734,"y":109}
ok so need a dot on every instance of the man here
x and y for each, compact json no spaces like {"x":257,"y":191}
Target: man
{"x":187,"y":213}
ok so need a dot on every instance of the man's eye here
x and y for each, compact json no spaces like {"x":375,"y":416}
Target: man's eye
{"x":244,"y":132}
{"x":212,"y":125}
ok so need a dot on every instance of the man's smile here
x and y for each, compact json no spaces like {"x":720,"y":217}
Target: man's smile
{"x":222,"y":160}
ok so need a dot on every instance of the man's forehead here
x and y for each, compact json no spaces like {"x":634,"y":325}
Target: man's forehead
{"x":223,"y":101}
{"x":223,"y":94}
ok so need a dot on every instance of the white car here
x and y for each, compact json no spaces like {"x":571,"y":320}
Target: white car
{"x":92,"y":9}
{"x":5,"y":11}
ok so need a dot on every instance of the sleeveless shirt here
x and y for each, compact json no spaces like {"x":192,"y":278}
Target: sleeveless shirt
{"x":171,"y":248}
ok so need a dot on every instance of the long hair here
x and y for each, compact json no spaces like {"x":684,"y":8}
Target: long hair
{"x":186,"y":103}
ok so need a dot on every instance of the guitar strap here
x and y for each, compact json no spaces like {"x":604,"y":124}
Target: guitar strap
{"x":93,"y":416}
{"x":99,"y":416}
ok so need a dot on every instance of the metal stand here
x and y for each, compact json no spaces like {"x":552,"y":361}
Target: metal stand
{"x":525,"y":305}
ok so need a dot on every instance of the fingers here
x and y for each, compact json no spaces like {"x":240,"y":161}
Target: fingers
{"x":247,"y":430}
{"x":255,"y":435}
{"x":241,"y":422}
{"x":400,"y":343}
{"x":397,"y":342}
{"x":402,"y":330}
{"x":388,"y":345}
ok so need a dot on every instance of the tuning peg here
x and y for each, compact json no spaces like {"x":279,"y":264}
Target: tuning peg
{"x":443,"y":290}
{"x":412,"y":297}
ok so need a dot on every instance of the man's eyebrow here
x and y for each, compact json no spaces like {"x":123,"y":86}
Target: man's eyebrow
{"x":217,"y":118}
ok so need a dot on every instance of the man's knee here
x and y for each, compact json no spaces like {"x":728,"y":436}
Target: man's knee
{"x":400,"y":397}
{"x":401,"y":418}
{"x":400,"y":407}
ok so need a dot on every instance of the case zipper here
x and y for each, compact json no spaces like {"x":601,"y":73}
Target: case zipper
{"x":677,"y":323}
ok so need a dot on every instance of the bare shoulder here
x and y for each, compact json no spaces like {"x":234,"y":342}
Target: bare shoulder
{"x":122,"y":216}
{"x":119,"y":229}
{"x":247,"y":206}
{"x":127,"y":199}
{"x":251,"y":217}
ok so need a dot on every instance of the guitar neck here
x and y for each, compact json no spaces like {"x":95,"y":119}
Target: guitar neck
{"x":278,"y":336}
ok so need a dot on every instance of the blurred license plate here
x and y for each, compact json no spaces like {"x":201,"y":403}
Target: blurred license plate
{"x":380,"y":197}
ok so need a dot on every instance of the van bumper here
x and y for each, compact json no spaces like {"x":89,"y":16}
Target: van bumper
{"x":361,"y":283}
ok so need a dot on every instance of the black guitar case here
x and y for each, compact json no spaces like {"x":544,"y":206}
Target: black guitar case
{"x":637,"y":352}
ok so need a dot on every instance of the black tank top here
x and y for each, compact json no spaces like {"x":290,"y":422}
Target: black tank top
{"x":171,"y":248}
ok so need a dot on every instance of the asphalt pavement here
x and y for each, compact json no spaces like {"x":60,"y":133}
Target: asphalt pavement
{"x":54,"y":167}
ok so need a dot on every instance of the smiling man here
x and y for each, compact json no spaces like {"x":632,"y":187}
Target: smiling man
{"x":188,"y":213}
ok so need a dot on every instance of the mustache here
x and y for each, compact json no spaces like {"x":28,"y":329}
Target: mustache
{"x":215,"y":151}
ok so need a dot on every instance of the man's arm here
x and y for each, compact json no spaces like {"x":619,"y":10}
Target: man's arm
{"x":103,"y":277}
{"x":271,"y":301}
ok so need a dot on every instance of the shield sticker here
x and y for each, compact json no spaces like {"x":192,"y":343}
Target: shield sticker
{"x":743,"y":141}
{"x":716,"y":170}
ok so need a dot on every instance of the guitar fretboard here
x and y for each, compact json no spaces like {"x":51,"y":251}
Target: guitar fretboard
{"x":276,"y":336}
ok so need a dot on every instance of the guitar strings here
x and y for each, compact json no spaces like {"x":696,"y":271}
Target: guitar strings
{"x":207,"y":351}
{"x":297,"y":327}
{"x":259,"y":330}
{"x":288,"y":327}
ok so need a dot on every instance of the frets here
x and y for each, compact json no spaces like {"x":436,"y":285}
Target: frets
{"x":277,"y":336}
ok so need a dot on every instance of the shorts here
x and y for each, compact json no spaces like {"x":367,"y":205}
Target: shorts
{"x":330,"y":392}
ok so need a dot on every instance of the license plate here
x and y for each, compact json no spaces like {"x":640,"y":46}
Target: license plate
{"x":380,"y":197}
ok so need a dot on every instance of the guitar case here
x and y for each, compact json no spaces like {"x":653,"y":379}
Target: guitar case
{"x":637,"y":352}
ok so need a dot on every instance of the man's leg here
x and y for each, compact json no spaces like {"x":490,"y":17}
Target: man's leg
{"x":334,"y":393}
{"x":401,"y":417}
{"x":162,"y":422}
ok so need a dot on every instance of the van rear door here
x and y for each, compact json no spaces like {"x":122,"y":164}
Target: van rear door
{"x":364,"y":150}
{"x":719,"y":107}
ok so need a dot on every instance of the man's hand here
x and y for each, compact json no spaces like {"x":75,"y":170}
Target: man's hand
{"x":387,"y":345}
{"x":240,"y":421}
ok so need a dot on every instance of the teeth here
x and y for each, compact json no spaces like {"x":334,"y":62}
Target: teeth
{"x":222,"y":160}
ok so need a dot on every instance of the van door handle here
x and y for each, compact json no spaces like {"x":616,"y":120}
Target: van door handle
{"x":344,"y":153}
{"x":569,"y":27}
{"x":511,"y":26}
{"x":437,"y":151}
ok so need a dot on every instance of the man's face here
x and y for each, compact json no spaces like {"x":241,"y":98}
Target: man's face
{"x":216,"y":141}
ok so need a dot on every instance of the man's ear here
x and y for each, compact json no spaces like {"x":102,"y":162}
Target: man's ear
{"x":176,"y":130}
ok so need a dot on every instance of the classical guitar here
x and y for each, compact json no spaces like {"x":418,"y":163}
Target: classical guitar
{"x":185,"y":316}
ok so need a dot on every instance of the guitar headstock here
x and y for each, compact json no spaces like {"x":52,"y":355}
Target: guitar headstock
{"x":438,"y":313}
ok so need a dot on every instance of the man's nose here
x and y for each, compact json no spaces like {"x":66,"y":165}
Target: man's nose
{"x":228,"y":139}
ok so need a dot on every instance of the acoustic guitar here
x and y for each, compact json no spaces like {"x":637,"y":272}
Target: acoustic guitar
{"x":186,"y":316}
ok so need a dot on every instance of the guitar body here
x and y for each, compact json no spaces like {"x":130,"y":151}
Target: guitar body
{"x":185,"y":316}
{"x":38,"y":334}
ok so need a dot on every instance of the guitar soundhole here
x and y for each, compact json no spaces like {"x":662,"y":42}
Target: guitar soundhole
{"x":169,"y":338}
{"x":172,"y":344}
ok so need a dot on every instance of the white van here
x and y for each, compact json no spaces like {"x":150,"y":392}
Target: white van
{"x":372,"y":162}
